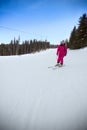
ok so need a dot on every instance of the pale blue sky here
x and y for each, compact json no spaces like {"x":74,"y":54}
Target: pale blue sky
{"x":40,"y":19}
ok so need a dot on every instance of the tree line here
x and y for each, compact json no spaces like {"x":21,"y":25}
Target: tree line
{"x":78,"y":36}
{"x":15,"y":48}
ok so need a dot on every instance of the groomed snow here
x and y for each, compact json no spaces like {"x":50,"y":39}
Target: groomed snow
{"x":35,"y":97}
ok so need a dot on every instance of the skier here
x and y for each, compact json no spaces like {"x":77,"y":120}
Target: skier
{"x":61,"y":52}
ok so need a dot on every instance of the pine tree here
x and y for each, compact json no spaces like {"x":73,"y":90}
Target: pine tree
{"x":82,"y":31}
{"x":78,"y":37}
{"x":73,"y":38}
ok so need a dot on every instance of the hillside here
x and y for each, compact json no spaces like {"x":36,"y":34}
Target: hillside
{"x":35,"y":97}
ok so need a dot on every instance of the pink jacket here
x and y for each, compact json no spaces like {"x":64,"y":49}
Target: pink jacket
{"x":62,"y":50}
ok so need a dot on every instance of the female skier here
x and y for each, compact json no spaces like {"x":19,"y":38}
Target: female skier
{"x":61,"y":52}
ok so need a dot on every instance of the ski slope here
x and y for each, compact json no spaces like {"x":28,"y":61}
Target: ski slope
{"x":35,"y":97}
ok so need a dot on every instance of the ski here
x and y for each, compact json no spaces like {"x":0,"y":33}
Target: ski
{"x":55,"y":66}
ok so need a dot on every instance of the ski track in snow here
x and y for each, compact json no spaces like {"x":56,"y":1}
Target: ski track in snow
{"x":36,"y":97}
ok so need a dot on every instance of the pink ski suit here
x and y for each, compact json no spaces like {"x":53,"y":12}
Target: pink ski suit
{"x":61,"y":52}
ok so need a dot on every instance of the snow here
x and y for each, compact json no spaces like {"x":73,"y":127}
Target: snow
{"x":35,"y":97}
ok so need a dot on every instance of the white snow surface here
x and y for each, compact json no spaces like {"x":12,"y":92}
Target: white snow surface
{"x":35,"y":97}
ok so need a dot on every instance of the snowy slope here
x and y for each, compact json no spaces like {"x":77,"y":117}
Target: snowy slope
{"x":35,"y":97}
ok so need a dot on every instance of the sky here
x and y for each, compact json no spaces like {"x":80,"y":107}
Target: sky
{"x":35,"y":97}
{"x":51,"y":20}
